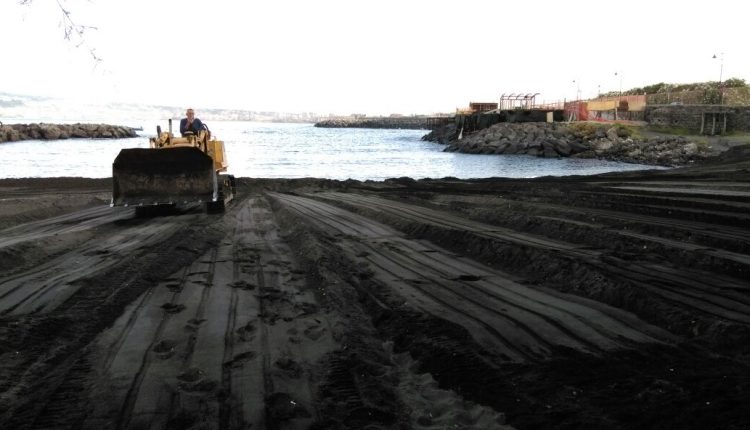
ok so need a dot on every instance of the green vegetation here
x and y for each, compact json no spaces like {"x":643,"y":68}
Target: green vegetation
{"x":701,"y":142}
{"x":677,"y":131}
{"x":737,"y":136}
{"x":590,"y":130}
{"x":584,"y":130}
{"x":626,"y":130}
{"x":663,"y":88}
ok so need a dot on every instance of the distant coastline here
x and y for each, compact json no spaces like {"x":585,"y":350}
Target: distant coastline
{"x":402,"y":122}
{"x":19,"y":106}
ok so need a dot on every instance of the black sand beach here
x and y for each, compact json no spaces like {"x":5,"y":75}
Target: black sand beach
{"x":606,"y":302}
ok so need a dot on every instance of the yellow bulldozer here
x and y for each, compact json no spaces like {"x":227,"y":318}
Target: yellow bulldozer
{"x":173,"y":171}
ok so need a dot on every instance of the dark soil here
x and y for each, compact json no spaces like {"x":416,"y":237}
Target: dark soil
{"x":615,"y":301}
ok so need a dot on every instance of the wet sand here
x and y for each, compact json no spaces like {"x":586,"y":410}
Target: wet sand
{"x":604,"y":302}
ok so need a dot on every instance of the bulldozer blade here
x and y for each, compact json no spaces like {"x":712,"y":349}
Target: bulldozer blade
{"x":162,"y":176}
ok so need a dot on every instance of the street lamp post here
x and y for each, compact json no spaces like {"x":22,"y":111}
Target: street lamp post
{"x":578,"y":88}
{"x":575,"y":106}
{"x":620,"y":74}
{"x":619,"y":94}
{"x":721,"y":72}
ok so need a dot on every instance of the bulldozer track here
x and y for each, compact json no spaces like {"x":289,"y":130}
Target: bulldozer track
{"x":721,"y":303}
{"x":221,"y":325}
{"x":527,"y":322}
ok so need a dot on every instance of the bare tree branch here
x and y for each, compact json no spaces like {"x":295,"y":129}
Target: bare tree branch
{"x":73,"y":32}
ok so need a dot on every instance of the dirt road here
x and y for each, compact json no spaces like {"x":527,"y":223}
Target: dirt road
{"x":616,"y":301}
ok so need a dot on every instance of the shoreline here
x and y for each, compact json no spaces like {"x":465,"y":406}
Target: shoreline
{"x":612,"y":142}
{"x":589,"y":140}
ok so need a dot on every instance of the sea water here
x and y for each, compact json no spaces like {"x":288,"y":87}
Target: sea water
{"x":286,"y":150}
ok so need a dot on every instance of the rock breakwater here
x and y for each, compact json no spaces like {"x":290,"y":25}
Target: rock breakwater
{"x":42,"y":131}
{"x":581,"y":140}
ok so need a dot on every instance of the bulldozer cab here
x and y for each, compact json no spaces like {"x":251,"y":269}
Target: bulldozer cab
{"x":212,"y":147}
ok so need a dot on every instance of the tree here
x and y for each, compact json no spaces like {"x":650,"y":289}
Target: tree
{"x":73,"y":32}
{"x":734,"y":83}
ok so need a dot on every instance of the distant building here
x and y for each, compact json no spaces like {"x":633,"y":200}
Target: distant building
{"x":616,"y":107}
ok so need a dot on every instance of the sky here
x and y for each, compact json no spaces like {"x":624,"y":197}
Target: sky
{"x":376,"y":57}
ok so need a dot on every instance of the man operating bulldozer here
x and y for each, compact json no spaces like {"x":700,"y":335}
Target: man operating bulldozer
{"x":191,"y":123}
{"x":174,"y":170}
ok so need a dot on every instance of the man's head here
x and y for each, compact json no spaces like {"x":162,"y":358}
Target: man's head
{"x":190,"y":114}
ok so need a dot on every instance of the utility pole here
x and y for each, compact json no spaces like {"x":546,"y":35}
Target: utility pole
{"x":619,"y":95}
{"x":721,"y":72}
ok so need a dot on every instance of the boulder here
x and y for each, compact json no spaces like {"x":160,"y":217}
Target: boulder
{"x":8,"y":134}
{"x":106,"y":133}
{"x":560,"y":146}
{"x":578,"y":147}
{"x":33,"y":132}
{"x":514,"y":148}
{"x":602,"y":145}
{"x":49,"y":131}
{"x":612,"y":134}
{"x":549,"y":152}
{"x":690,"y":148}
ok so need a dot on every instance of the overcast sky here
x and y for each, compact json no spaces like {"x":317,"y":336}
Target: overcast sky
{"x":375,"y":57}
